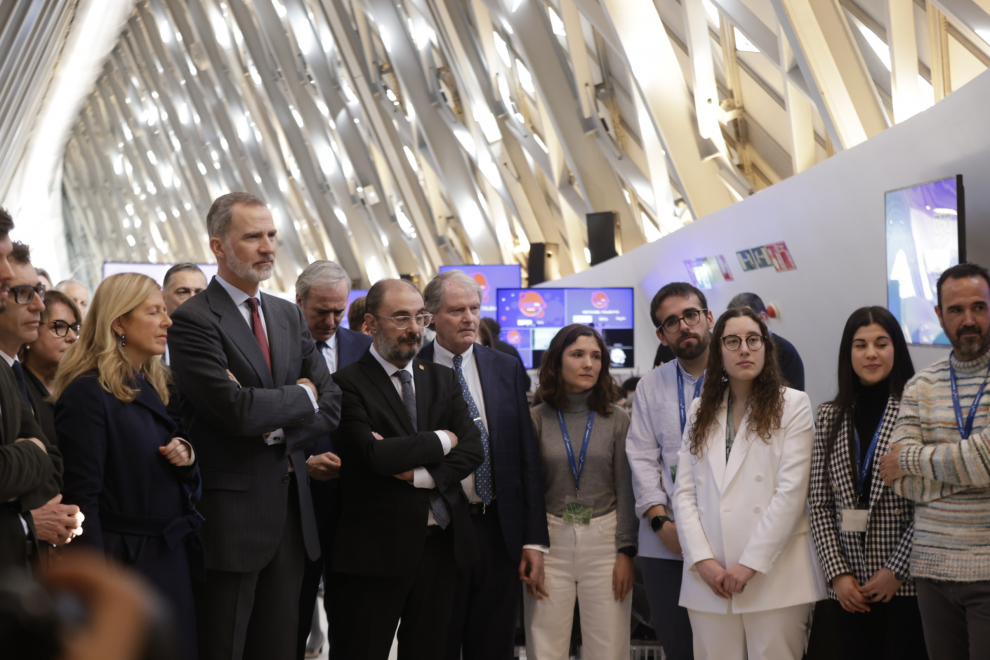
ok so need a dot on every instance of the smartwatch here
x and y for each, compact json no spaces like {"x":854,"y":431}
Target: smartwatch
{"x":658,"y":522}
{"x":629,"y":551}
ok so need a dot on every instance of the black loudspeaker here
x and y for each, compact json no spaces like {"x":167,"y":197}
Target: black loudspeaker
{"x":543,"y":263}
{"x":604,"y":241}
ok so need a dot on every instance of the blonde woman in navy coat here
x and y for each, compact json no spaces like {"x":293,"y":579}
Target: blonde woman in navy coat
{"x":134,"y":480}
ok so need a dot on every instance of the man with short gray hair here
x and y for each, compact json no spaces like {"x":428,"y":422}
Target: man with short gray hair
{"x":78,"y":292}
{"x":322,"y":290}
{"x":505,"y":493}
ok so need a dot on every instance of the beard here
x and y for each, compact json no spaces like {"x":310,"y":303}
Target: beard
{"x":972,"y":346}
{"x":252,"y":272}
{"x":392,"y":350}
{"x":691,"y":352}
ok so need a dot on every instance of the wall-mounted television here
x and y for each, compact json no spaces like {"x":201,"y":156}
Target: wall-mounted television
{"x":926,"y":234}
{"x":491,"y":279}
{"x":354,"y":295}
{"x":154,"y":271}
{"x":530,"y":318}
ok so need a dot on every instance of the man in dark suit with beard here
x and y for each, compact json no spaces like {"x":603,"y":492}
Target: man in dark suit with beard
{"x":255,"y":394}
{"x":406,"y":441}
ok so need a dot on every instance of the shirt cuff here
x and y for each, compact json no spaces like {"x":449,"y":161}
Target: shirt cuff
{"x":542,"y":548}
{"x":312,"y":397}
{"x":445,"y":441}
{"x":423,"y":479}
{"x":276,"y":437}
{"x":192,"y":452}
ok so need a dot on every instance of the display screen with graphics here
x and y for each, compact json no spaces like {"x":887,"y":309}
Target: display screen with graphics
{"x":355,"y":294}
{"x":154,"y":271}
{"x":925,"y":235}
{"x":491,"y":279}
{"x":530,"y":318}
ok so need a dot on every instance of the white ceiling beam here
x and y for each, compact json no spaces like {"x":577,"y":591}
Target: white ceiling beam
{"x":903,"y":42}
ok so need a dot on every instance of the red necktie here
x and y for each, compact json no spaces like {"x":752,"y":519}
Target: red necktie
{"x":259,"y":330}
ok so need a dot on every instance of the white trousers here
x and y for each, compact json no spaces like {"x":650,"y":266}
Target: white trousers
{"x":579,"y":566}
{"x":780,"y":634}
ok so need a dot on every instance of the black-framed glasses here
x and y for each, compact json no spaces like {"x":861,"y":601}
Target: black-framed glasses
{"x":734,"y":342}
{"x":402,"y":322}
{"x":24,"y":293}
{"x":62,"y":328}
{"x":691,"y":317}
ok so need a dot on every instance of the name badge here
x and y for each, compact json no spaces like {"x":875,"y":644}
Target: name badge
{"x":854,"y":520}
{"x":577,"y":512}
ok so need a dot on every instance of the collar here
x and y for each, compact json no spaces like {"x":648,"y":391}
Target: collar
{"x":238,"y":296}
{"x":332,"y":342}
{"x":578,"y":402}
{"x":975,"y":367}
{"x":688,"y":377}
{"x":10,"y":360}
{"x":390,"y":368}
{"x":447,"y":357}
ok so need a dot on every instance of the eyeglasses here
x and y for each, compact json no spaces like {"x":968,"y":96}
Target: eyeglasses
{"x":734,"y":342}
{"x":691,"y":317}
{"x":24,"y":293}
{"x":402,"y":322}
{"x":62,"y":328}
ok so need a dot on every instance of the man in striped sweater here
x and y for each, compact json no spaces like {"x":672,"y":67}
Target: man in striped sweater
{"x":940,"y":458}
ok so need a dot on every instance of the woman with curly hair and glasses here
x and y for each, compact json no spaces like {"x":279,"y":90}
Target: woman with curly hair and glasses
{"x":751,"y":577}
{"x":590,"y":506}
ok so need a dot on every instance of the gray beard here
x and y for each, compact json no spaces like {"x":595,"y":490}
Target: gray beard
{"x":392,"y":351}
{"x":248,"y":271}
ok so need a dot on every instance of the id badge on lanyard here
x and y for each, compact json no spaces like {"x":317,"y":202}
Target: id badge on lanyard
{"x":855,"y":520}
{"x":965,"y":428}
{"x":576,"y":510}
{"x":671,"y":470}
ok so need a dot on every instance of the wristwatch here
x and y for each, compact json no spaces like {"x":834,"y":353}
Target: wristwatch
{"x":658,"y":522}
{"x":629,"y":551}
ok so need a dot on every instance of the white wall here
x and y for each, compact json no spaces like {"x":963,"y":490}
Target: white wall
{"x":832,"y":218}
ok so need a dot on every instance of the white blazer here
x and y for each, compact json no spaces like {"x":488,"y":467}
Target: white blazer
{"x":751,"y":511}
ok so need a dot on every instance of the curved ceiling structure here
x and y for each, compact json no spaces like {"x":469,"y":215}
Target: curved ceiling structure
{"x":395,"y":137}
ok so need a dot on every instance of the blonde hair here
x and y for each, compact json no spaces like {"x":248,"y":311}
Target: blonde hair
{"x":98,"y":348}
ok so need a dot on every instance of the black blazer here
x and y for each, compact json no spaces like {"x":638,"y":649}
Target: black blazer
{"x":515,"y":454}
{"x":27,"y":475}
{"x":382,"y":529}
{"x":245,"y":481}
{"x":44,"y":410}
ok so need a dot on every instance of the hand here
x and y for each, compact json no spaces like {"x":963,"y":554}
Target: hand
{"x":453,"y":438}
{"x":35,"y":441}
{"x":881,"y":587}
{"x":58,"y":523}
{"x":408,"y":475}
{"x":890,"y":471}
{"x":849,"y":593}
{"x":306,"y":382}
{"x":377,"y":436}
{"x":623,"y":576}
{"x":538,"y":590}
{"x":233,"y":378}
{"x":737,"y":577}
{"x":714,"y":576}
{"x":323,"y":467}
{"x":531,"y":567}
{"x":668,"y":536}
{"x":177,"y":452}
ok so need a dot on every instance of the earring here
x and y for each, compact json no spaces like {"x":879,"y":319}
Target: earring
{"x":725,"y":375}
{"x":123,"y":341}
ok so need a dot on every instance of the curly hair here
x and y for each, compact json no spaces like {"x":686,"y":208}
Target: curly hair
{"x":766,"y":397}
{"x":551,"y":389}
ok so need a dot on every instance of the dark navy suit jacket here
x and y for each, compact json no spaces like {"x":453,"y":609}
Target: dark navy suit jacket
{"x":350,"y":347}
{"x":515,"y":454}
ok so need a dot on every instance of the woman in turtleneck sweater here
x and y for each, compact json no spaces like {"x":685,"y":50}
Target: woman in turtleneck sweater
{"x":863,"y":531}
{"x":590,"y":504}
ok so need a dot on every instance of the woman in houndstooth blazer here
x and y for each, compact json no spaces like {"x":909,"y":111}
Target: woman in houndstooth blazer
{"x":863,"y":532}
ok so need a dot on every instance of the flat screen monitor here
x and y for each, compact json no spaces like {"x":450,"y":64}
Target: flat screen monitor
{"x":491,"y":279}
{"x":355,"y":294}
{"x":530,"y":318}
{"x":926,"y":234}
{"x":154,"y":271}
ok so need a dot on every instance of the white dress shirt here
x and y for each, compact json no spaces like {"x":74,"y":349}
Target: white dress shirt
{"x":330,"y":353}
{"x":421,"y":477}
{"x":470,"y":369}
{"x":240,"y":301}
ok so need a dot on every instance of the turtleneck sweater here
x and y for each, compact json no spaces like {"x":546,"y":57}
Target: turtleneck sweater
{"x":947,"y":476}
{"x":606,"y":482}
{"x":871,"y":403}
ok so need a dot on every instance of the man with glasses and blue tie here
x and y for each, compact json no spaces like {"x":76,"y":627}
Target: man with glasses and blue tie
{"x":508,"y":509}
{"x":406,"y":441}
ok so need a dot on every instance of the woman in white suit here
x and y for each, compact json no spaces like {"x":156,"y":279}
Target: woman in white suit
{"x":751,"y":577}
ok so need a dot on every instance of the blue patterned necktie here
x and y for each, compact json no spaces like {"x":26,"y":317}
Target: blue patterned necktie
{"x":437,"y":504}
{"x":483,"y":475}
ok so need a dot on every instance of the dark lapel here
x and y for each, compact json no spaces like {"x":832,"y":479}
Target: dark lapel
{"x":427,"y":352}
{"x":148,"y":397}
{"x":278,"y":338}
{"x":10,"y":401}
{"x":376,"y":374}
{"x":349,"y":349}
{"x":235,"y":327}
{"x":484,"y":359}
{"x":424,"y":394}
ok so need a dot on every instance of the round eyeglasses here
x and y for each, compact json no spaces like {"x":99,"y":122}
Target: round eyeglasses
{"x":691,"y":317}
{"x":734,"y":342}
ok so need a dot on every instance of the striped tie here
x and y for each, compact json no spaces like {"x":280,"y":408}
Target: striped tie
{"x":483,"y":475}
{"x":437,"y":504}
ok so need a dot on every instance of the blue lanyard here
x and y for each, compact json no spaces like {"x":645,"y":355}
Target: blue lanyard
{"x":864,"y":469}
{"x":682,"y":407}
{"x":576,"y":468}
{"x":967,"y":428}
